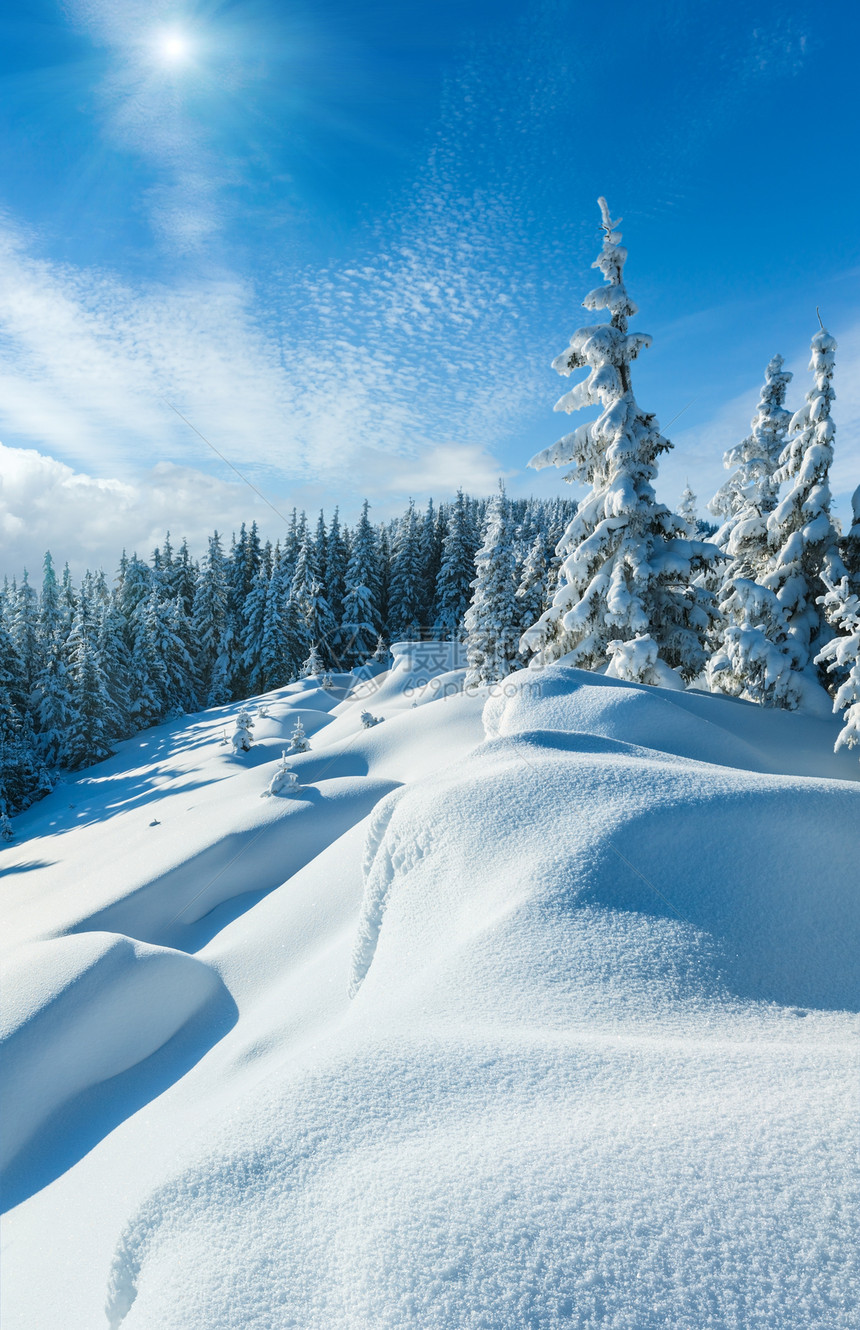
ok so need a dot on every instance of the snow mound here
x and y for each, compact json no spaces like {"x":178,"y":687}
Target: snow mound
{"x":689,"y":724}
{"x":76,"y":1011}
{"x":591,"y":1074}
{"x":598,"y":1068}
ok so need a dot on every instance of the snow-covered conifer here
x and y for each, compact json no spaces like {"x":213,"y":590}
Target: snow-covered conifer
{"x":360,"y":625}
{"x":87,"y":740}
{"x":800,"y":529}
{"x":381,"y":653}
{"x":242,"y":739}
{"x":531,"y":591}
{"x":629,"y":565}
{"x":298,"y":739}
{"x":336,"y":557}
{"x":752,"y":660}
{"x":253,"y":630}
{"x":638,"y":661}
{"x":312,"y":668}
{"x":456,"y":571}
{"x":210,"y":628}
{"x":491,"y":619}
{"x":687,"y":510}
{"x":25,"y":630}
{"x":751,"y":492}
{"x":405,"y":591}
{"x":368,"y":720}
{"x":284,"y":780}
{"x":320,"y":626}
{"x":841,"y":656}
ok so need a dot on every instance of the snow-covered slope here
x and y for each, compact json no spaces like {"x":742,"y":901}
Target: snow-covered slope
{"x":551,"y":1023}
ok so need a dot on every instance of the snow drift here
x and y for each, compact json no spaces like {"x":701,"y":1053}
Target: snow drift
{"x":599,"y":1065}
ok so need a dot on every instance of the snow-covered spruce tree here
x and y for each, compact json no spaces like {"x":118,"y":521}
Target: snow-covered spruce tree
{"x":405,"y":589}
{"x":210,"y":628}
{"x":360,"y":625}
{"x":841,"y":656}
{"x":54,"y":703}
{"x":312,"y":668}
{"x":253,"y":629}
{"x":298,"y":739}
{"x":801,"y":534}
{"x":51,"y":701}
{"x":491,"y":620}
{"x":751,"y":492}
{"x":456,"y":571}
{"x":320,"y":626}
{"x":687,"y":510}
{"x":753,"y":660}
{"x":87,"y":740}
{"x":284,"y":780}
{"x":531,"y":591}
{"x":275,"y":663}
{"x":752,"y":657}
{"x":629,"y":565}
{"x":242,"y":739}
{"x":336,"y":558}
{"x":381,"y":653}
{"x":25,"y":630}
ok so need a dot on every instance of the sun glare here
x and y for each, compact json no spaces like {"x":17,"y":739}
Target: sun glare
{"x":173,"y":48}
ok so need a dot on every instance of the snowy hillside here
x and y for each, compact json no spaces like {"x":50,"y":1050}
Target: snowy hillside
{"x":532,"y":1006}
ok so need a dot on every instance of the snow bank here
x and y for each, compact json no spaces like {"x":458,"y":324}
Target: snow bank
{"x":78,"y":1010}
{"x":702,"y":726}
{"x":599,"y":1066}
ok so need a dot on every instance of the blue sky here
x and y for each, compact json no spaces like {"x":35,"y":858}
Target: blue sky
{"x":347,"y":239}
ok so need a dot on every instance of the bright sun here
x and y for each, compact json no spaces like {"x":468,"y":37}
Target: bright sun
{"x":173,"y":48}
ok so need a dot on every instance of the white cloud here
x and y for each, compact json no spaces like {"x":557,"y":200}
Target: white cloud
{"x":88,"y":521}
{"x":45,"y":504}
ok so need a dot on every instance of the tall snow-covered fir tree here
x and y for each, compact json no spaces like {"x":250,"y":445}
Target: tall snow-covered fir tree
{"x":532,"y":588}
{"x":87,"y":740}
{"x":751,"y":492}
{"x":629,"y":565}
{"x":360,"y":624}
{"x":336,"y":557}
{"x":210,"y":626}
{"x":752,"y":657}
{"x":801,"y":534}
{"x":456,"y":570}
{"x":405,"y":589}
{"x":492,"y":640}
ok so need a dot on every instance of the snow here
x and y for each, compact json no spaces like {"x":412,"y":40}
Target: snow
{"x":599,"y":1064}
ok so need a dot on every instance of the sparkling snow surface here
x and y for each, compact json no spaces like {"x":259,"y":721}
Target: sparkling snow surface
{"x":552,"y":1023}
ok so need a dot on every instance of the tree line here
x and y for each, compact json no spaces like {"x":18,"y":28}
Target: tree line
{"x":85,"y":666}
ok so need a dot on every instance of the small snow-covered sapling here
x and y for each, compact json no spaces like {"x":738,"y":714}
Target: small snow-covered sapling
{"x":283,"y":781}
{"x":368,"y":721}
{"x":298,"y":738}
{"x":242,"y":739}
{"x":6,"y":832}
{"x":327,"y":681}
{"x":313,"y":666}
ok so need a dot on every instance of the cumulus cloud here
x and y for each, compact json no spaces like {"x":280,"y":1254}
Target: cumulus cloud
{"x":88,"y":521}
